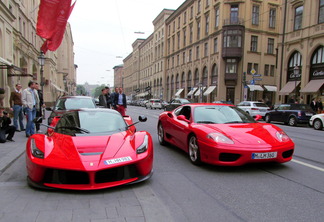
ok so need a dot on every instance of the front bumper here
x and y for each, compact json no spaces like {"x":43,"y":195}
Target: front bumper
{"x":237,"y":156}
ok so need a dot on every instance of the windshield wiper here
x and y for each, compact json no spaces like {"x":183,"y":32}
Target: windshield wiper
{"x":75,"y":127}
{"x":234,"y":122}
{"x":206,"y":121}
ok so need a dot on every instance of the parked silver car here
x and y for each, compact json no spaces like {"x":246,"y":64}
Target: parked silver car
{"x":254,"y":108}
{"x":154,"y":104}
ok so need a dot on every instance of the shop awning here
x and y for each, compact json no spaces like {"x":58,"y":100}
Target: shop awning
{"x":289,"y":87}
{"x":57,"y":87}
{"x":200,"y":90}
{"x":142,"y":94}
{"x":313,"y":86}
{"x":5,"y":62}
{"x":209,"y":90}
{"x":270,"y":88}
{"x":178,"y":92}
{"x":192,"y":91}
{"x":255,"y":88}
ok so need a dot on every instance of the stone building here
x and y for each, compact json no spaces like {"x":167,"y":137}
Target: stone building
{"x":20,"y":49}
{"x":301,"y":51}
{"x":235,"y":50}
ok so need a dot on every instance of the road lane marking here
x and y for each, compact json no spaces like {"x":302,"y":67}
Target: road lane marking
{"x":308,"y":165}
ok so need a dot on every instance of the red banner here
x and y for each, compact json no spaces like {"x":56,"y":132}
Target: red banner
{"x":52,"y":18}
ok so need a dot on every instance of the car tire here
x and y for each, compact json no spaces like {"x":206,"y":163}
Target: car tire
{"x":193,"y":151}
{"x":267,"y":118}
{"x":292,"y":121}
{"x":317,"y":124}
{"x":161,"y":134}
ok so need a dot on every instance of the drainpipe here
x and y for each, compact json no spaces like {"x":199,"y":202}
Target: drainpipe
{"x":283,"y":43}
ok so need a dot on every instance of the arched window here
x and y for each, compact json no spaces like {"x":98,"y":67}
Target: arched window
{"x":205,"y":77}
{"x":189,"y":79}
{"x":183,"y":80}
{"x":317,"y":64}
{"x":177,"y":81}
{"x":196,"y":79}
{"x":214,"y":77}
{"x":294,"y":60}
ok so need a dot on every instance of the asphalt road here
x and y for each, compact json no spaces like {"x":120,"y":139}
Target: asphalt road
{"x":180,"y":191}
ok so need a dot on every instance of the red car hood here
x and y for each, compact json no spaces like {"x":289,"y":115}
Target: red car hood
{"x":90,"y":150}
{"x":247,"y":133}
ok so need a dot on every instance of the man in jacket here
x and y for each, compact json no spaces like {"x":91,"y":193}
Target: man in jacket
{"x":16,"y":107}
{"x":120,"y":102}
{"x":103,"y":98}
{"x":5,"y":127}
{"x":30,"y":102}
{"x":40,"y":106}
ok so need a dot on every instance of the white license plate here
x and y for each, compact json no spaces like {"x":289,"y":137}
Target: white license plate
{"x":309,"y":114}
{"x":118,"y":160}
{"x":268,"y":155}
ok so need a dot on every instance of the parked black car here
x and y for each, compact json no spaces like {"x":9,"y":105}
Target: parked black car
{"x":174,"y":103}
{"x":290,"y":114}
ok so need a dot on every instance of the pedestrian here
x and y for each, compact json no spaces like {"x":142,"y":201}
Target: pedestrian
{"x":301,"y":100}
{"x":5,"y":127}
{"x":17,"y":108}
{"x":319,"y":106}
{"x":291,"y":100}
{"x":120,"y":102}
{"x":39,"y":108}
{"x":108,"y":98}
{"x":313,"y":105}
{"x":103,"y":98}
{"x":113,"y":98}
{"x":30,"y":102}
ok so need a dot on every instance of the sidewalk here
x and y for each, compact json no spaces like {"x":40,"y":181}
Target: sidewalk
{"x":10,"y":151}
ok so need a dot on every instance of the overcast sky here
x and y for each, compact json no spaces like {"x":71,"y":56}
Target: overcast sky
{"x":104,"y":29}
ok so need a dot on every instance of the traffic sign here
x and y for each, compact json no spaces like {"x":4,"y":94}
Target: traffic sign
{"x":256,"y":75}
{"x":252,"y":82}
{"x":257,"y":79}
{"x":252,"y":71}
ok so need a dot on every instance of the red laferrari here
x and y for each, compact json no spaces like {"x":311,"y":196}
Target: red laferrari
{"x":89,"y":149}
{"x":223,"y":134}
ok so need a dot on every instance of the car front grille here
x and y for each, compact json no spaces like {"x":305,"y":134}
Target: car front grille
{"x":229,"y":157}
{"x":116,"y":174}
{"x":287,"y":154}
{"x":57,"y":176}
{"x":66,"y":177}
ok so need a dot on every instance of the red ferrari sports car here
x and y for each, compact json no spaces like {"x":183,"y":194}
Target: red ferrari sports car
{"x":223,"y":134}
{"x":89,"y":149}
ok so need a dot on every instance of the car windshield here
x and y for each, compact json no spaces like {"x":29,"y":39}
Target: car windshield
{"x":90,"y":122}
{"x":184,"y":101}
{"x":74,"y":103}
{"x":260,"y":105}
{"x":304,"y":107}
{"x":221,"y":114}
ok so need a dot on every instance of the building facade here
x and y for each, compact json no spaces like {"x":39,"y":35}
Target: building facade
{"x":20,"y":49}
{"x":119,"y":76}
{"x":301,"y":49}
{"x":234,"y":50}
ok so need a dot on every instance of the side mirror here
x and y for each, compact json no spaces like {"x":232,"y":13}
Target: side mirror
{"x":38,"y":120}
{"x":142,"y":118}
{"x":183,"y":118}
{"x":257,"y":117}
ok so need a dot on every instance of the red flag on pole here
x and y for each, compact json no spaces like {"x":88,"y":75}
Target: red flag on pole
{"x":52,"y":18}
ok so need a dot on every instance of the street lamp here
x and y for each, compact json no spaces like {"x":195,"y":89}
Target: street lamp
{"x":296,"y":74}
{"x":41,"y":61}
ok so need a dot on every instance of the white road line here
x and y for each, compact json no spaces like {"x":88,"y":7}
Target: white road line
{"x":308,"y":165}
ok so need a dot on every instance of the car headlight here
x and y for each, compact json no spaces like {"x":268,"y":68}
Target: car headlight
{"x":282,"y":136}
{"x":220,"y":138}
{"x":35,"y":151}
{"x":143,"y":147}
